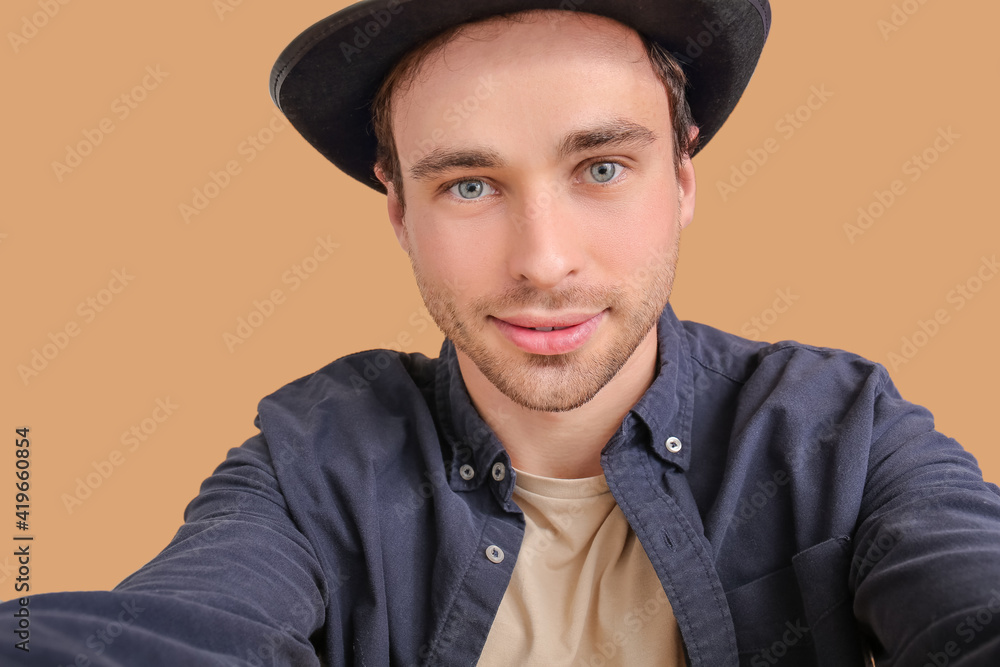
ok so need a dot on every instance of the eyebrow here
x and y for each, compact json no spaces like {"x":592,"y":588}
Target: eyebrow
{"x":616,"y":133}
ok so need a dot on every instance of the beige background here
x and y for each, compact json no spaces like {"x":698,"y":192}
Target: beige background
{"x":162,"y":336}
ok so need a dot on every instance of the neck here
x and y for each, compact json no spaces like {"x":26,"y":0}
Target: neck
{"x":562,"y":444}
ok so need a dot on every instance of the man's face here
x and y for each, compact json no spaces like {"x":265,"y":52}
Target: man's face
{"x":541,"y":192}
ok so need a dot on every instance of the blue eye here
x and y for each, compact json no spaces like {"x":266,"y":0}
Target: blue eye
{"x":604,"y":172}
{"x":471,"y":189}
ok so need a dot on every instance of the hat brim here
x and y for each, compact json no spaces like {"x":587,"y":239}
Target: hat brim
{"x":325,"y":80}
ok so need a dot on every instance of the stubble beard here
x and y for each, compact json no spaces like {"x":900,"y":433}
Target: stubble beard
{"x":558,"y":382}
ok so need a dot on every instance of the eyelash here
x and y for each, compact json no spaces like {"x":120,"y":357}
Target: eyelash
{"x":448,"y":186}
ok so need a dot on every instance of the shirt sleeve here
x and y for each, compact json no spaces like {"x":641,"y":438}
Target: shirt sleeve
{"x":926,"y":567}
{"x":238,"y":585}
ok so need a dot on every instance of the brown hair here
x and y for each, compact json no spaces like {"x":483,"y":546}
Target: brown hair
{"x":404,"y":73}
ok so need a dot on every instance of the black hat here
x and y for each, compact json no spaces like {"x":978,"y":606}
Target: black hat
{"x":325,"y":80}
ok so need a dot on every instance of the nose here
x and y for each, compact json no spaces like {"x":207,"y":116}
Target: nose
{"x":544,"y":243}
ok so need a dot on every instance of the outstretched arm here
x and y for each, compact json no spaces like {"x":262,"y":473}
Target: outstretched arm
{"x":238,"y":585}
{"x":926,"y":570}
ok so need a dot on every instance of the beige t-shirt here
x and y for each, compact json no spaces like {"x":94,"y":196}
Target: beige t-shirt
{"x":583,"y":591}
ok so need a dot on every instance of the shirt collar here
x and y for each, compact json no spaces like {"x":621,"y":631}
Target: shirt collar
{"x":667,"y":406}
{"x":664,"y":410}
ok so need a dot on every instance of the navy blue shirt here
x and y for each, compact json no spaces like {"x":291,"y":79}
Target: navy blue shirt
{"x":796,"y":510}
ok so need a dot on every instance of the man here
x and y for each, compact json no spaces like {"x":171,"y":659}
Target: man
{"x":580,"y":478}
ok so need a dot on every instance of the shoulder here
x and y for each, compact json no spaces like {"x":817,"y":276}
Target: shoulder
{"x":355,"y":397}
{"x":359,"y":377}
{"x":784,"y":368}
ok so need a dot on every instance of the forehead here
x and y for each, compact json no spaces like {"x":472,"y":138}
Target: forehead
{"x":502,"y":75}
{"x":550,"y":27}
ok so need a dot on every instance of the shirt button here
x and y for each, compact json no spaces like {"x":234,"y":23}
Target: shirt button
{"x":466,"y":472}
{"x":673,"y":445}
{"x":499,"y":471}
{"x":494,"y":553}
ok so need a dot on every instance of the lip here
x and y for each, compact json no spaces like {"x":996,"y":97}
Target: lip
{"x":579,"y":329}
{"x":531,"y":321}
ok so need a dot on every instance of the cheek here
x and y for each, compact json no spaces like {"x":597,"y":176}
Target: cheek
{"x":460,"y":261}
{"x":627,"y":235}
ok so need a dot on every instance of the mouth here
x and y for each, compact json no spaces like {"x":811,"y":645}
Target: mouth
{"x":557,"y":334}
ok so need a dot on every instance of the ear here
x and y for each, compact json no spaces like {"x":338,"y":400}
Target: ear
{"x":395,"y":210}
{"x":686,"y":185}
